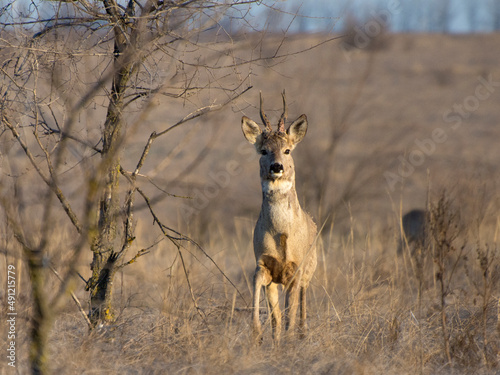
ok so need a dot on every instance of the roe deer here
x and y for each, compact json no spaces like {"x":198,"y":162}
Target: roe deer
{"x":284,"y":236}
{"x":414,"y":231}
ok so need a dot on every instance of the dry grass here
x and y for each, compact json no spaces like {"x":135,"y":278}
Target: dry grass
{"x":366,"y":313}
{"x":364,"y":317}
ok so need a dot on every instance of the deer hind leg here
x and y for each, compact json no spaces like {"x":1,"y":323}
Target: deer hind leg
{"x":292,"y":300}
{"x":291,"y":306}
{"x":291,"y":280}
{"x":303,"y":313}
{"x":261,"y":278}
{"x":273,"y":299}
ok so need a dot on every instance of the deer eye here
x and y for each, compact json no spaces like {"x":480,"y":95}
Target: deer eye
{"x":263,"y":152}
{"x":287,"y":151}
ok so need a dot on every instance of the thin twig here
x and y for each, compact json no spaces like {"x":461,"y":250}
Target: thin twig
{"x":139,"y":254}
{"x":201,"y":111}
{"x":73,"y":296}
{"x":185,"y":238}
{"x":48,"y":181}
{"x":198,"y":310}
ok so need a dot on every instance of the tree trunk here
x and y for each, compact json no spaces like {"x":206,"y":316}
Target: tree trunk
{"x":42,"y":317}
{"x":104,"y":246}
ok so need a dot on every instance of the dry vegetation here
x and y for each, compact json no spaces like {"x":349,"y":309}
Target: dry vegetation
{"x":370,"y":312}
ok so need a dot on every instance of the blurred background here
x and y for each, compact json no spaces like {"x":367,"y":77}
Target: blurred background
{"x":402,"y":100}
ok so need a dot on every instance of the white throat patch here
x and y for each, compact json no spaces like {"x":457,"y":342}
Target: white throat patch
{"x":276,"y":186}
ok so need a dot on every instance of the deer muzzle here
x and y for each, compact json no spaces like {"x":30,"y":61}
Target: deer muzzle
{"x":276,"y":169}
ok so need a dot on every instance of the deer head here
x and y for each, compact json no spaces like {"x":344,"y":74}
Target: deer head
{"x":275,"y":146}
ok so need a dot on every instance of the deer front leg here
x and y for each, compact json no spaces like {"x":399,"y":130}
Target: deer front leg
{"x":261,"y":278}
{"x":273,"y":299}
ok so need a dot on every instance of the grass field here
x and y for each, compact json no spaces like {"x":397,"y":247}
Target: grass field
{"x":390,"y":128}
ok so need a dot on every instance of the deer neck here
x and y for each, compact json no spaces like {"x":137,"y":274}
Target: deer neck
{"x":279,"y":200}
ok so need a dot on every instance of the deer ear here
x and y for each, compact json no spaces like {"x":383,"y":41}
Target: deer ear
{"x":297,"y":130}
{"x":250,"y":129}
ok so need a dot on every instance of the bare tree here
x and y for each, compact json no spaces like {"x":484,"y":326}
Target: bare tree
{"x":77,"y":80}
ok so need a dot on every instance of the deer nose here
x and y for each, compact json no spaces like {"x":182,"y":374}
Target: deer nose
{"x":277,"y":168}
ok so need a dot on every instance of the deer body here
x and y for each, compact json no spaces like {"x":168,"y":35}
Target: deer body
{"x":284,"y":236}
{"x":414,"y":230}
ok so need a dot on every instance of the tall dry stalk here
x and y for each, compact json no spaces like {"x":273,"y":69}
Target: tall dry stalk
{"x":444,"y":230}
{"x":487,"y":259}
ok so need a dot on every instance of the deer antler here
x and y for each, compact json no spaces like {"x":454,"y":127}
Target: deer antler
{"x":263,"y":115}
{"x":281,"y":123}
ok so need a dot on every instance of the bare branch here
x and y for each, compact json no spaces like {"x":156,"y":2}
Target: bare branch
{"x":48,"y":181}
{"x":75,"y":299}
{"x":201,"y":112}
{"x":181,"y":237}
